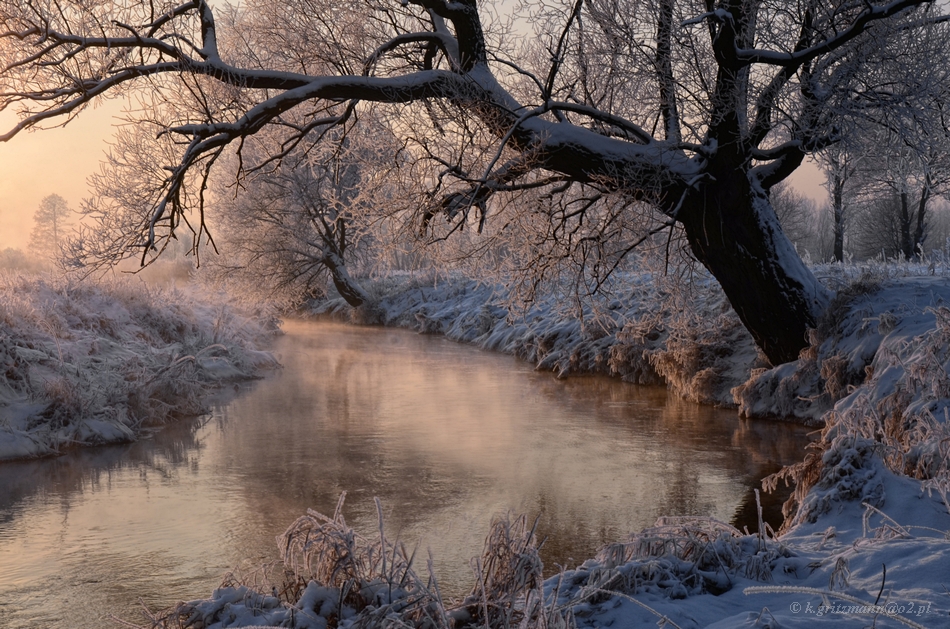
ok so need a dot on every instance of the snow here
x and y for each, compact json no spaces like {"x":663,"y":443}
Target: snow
{"x":95,"y":363}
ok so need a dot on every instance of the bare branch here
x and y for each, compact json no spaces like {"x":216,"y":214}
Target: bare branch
{"x":664,"y":70}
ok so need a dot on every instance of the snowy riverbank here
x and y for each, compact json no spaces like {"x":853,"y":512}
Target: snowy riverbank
{"x":868,"y":538}
{"x":651,"y":331}
{"x":91,"y":363}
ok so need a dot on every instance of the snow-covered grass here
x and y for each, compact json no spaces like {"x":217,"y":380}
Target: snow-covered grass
{"x":877,"y":373}
{"x":333,"y":575}
{"x":89,"y":363}
{"x":652,"y":330}
{"x":867,"y":540}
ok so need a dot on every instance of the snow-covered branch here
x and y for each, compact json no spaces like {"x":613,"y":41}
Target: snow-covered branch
{"x":872,"y":13}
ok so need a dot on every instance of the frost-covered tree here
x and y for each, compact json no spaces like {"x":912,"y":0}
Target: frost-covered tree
{"x":297,"y":225}
{"x":695,"y":108}
{"x":876,"y":231}
{"x":904,"y":181}
{"x":49,"y":227}
{"x":895,"y":165}
{"x":885,"y":183}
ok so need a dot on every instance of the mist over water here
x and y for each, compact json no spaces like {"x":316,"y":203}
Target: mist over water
{"x":445,"y":435}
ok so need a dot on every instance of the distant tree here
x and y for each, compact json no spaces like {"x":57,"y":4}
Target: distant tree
{"x":16,"y":260}
{"x":291,"y":230}
{"x":307,"y":221}
{"x":824,"y":245}
{"x":798,"y":215}
{"x":49,"y":229}
{"x":939,"y":227}
{"x":899,"y":163}
{"x":840,"y":164}
{"x":900,"y":184}
{"x":876,"y":230}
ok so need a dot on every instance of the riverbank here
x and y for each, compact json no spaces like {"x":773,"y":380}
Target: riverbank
{"x":657,"y":330}
{"x":652,"y":329}
{"x":96,"y":362}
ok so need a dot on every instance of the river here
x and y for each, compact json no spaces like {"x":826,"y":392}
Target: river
{"x":447,"y":436}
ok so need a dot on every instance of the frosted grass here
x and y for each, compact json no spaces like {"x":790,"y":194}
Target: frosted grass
{"x":96,"y":362}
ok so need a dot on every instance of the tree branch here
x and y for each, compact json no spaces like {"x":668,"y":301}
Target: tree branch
{"x":664,"y":71}
{"x":795,"y":59}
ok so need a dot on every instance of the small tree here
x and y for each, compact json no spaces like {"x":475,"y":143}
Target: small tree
{"x":49,"y":230}
{"x":308,"y":219}
{"x":296,"y":226}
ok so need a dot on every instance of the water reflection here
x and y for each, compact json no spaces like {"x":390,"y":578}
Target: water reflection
{"x":445,"y":435}
{"x":82,"y":531}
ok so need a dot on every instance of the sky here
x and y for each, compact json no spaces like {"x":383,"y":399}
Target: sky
{"x":36,"y":164}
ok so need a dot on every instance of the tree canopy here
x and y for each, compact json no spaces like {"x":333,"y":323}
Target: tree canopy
{"x":692,"y":108}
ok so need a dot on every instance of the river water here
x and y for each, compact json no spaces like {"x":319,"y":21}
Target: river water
{"x":445,"y":435}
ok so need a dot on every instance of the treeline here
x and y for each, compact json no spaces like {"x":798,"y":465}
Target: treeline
{"x":876,"y":227}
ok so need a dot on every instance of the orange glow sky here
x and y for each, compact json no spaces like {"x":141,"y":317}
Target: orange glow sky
{"x":58,"y":161}
{"x":53,"y":161}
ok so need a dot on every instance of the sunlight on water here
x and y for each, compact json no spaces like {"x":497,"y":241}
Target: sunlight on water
{"x":445,"y":435}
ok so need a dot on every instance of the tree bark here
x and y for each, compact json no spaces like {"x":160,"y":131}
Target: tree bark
{"x":733,"y":231}
{"x":349,"y":289}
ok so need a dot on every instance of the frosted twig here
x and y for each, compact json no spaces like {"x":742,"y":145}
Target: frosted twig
{"x":869,"y":508}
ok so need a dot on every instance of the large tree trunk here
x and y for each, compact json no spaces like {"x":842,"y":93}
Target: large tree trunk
{"x":734,"y":232}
